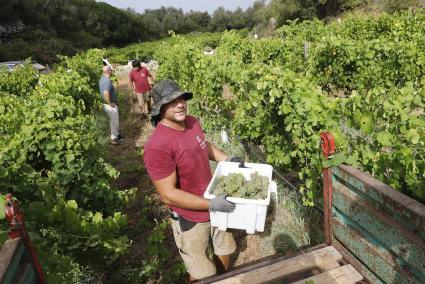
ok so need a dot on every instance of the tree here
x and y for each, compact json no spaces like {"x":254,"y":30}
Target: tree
{"x":197,"y":21}
{"x":220,"y":20}
{"x":393,"y":5}
{"x":256,"y":14}
{"x":8,"y":10}
{"x":173,"y":20}
{"x":131,"y":11}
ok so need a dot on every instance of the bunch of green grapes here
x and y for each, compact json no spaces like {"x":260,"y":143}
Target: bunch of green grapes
{"x":236,"y":185}
{"x":230,"y":184}
{"x":257,"y":187}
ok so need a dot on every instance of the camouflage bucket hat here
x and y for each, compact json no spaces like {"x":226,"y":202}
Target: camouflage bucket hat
{"x":165,"y":91}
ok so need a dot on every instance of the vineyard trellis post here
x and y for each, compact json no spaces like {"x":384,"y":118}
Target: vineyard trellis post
{"x":328,"y":147}
{"x":16,"y":222}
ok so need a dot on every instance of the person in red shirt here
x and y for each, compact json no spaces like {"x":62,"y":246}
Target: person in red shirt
{"x":176,"y":157}
{"x":139,"y":80}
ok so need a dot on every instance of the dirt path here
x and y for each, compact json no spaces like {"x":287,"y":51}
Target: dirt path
{"x":138,"y":129}
{"x":127,"y":159}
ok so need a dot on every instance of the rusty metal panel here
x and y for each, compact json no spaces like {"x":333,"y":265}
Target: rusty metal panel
{"x":401,"y":241}
{"x":27,"y":275}
{"x":15,"y":263}
{"x":11,"y":254}
{"x":382,"y":228}
{"x":380,"y":262}
{"x":403,"y":208}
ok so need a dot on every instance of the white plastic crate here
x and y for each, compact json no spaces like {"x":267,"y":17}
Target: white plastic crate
{"x":249,"y":214}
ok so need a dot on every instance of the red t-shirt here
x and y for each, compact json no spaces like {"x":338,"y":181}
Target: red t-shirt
{"x":183,"y":151}
{"x":140,"y":78}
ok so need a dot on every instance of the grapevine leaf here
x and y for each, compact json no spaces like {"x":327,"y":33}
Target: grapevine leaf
{"x":413,"y":135}
{"x":72,"y":204}
{"x":3,"y":237}
{"x":27,"y":169}
{"x":75,"y":246}
{"x":385,"y":139}
{"x":366,"y":124}
{"x":285,"y":109}
{"x":352,"y":160}
{"x":97,"y":219}
{"x":2,"y":201}
{"x":336,"y":160}
{"x":3,"y":172}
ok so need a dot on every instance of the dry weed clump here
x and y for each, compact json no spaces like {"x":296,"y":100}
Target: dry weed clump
{"x":291,"y":225}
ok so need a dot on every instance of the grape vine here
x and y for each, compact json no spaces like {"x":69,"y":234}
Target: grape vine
{"x":52,"y":160}
{"x":363,"y":77}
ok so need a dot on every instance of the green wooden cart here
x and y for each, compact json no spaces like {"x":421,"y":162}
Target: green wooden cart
{"x":374,"y":234}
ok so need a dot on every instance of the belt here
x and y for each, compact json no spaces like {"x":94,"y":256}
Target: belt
{"x":173,"y":215}
{"x":185,"y":225}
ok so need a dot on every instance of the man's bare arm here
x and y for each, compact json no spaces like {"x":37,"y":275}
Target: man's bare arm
{"x":107,"y":97}
{"x":152,"y":77}
{"x":170,"y":195}
{"x":132,"y":84}
{"x":151,"y":80}
{"x":214,"y":153}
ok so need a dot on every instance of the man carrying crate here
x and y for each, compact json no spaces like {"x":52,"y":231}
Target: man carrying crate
{"x":176,"y":157}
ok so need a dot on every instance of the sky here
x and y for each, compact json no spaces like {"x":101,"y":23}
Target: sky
{"x":196,"y":5}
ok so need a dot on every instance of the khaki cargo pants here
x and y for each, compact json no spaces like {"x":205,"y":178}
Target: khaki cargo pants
{"x":193,"y":245}
{"x":142,"y":99}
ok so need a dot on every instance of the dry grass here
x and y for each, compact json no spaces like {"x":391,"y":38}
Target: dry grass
{"x":293,"y":225}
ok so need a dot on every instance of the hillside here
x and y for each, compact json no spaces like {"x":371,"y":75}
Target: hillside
{"x":42,"y":29}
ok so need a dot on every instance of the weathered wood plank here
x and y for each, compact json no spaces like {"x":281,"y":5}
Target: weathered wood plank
{"x":255,"y":265}
{"x":287,"y":267}
{"x":341,"y":275}
{"x":328,"y":266}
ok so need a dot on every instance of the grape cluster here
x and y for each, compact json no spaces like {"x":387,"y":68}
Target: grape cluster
{"x":236,"y":185}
